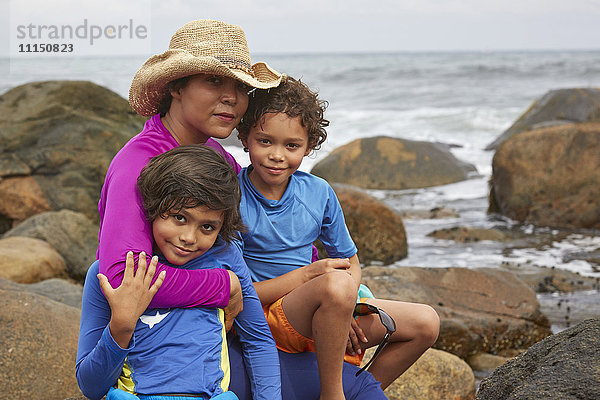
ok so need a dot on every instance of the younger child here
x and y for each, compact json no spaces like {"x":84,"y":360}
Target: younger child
{"x":309,"y":306}
{"x":191,"y":195}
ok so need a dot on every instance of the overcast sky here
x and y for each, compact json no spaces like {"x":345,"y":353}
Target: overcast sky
{"x":298,"y":26}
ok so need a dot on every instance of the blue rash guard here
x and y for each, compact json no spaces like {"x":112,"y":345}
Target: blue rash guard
{"x":281,"y":232}
{"x":177,"y":350}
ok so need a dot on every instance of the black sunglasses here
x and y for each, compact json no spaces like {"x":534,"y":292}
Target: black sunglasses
{"x":386,"y":320}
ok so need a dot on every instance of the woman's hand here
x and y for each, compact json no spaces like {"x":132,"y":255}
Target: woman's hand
{"x":236,"y":301}
{"x":355,"y":338}
{"x":129,"y":301}
{"x":324,"y":266}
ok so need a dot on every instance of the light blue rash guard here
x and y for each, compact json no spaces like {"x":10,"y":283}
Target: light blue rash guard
{"x":281,"y":232}
{"x":177,"y":350}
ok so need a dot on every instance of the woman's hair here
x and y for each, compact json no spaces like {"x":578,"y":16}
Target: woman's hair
{"x":191,"y":176}
{"x":175,"y":85}
{"x":293,"y":98}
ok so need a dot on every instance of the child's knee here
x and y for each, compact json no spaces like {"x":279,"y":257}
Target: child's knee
{"x":429,"y":325}
{"x":339,"y":288}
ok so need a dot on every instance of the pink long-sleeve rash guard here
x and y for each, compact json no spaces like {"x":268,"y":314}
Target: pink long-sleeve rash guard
{"x":124,"y":227}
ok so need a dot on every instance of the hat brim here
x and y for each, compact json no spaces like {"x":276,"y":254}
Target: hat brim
{"x":148,"y":87}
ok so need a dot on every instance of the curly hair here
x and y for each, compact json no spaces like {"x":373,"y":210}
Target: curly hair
{"x":293,"y":98}
{"x":192,"y":176}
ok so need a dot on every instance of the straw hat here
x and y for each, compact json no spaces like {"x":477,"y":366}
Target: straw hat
{"x":201,"y":46}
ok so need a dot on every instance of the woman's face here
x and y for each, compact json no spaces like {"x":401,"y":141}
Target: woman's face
{"x":208,"y":106}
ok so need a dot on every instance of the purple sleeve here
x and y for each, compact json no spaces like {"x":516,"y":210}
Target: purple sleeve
{"x":124,"y":228}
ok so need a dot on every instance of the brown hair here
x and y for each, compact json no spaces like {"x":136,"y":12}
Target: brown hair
{"x":191,"y":176}
{"x":293,"y":98}
{"x":165,"y":103}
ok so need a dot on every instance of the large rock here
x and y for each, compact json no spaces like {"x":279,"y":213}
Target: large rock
{"x":389,"y":163}
{"x":481,"y":311}
{"x":59,"y":290}
{"x":549,"y":177}
{"x":56,"y":141}
{"x":557,"y":107}
{"x":71,"y":233}
{"x":37,"y":347}
{"x":562,"y":366}
{"x":375,"y":228}
{"x":437,"y":375}
{"x":28,"y":260}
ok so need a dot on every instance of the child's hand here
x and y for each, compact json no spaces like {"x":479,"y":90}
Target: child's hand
{"x":131,"y":298}
{"x":326,"y":265}
{"x":236,"y":301}
{"x":355,"y":338}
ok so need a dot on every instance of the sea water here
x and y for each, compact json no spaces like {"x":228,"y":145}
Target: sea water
{"x":465,"y":99}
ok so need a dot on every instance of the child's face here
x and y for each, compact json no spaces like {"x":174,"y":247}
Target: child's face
{"x":277,"y":145}
{"x":187,"y":234}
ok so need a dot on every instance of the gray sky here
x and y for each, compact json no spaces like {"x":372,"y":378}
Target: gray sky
{"x":296,"y":26}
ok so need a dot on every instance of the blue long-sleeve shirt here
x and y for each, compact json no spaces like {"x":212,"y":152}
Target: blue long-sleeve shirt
{"x":184,"y":350}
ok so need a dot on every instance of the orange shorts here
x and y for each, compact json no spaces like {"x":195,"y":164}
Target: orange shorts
{"x":288,"y":339}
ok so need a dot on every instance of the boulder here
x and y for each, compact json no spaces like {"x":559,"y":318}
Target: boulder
{"x":59,"y":290}
{"x":28,"y":260}
{"x":37,"y":347}
{"x":376,"y":229}
{"x":56,"y":141}
{"x":71,"y":233}
{"x":562,"y":366}
{"x":557,"y":107}
{"x":463,"y":234}
{"x":481,"y":310}
{"x":549,"y":177}
{"x":390,"y":163}
{"x":437,"y":375}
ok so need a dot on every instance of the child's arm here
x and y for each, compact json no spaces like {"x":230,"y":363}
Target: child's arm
{"x":129,"y":301}
{"x":258,"y":347}
{"x":99,"y":358}
{"x":272,"y":289}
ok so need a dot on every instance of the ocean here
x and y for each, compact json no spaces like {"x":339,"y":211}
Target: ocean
{"x":465,"y":99}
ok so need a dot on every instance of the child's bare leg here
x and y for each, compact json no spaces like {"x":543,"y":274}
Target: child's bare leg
{"x":417,"y":329}
{"x":322,"y":309}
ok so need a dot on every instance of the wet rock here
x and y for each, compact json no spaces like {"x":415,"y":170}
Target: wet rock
{"x":484,"y":310}
{"x":376,"y":229}
{"x":56,"y":141}
{"x":549,"y":177}
{"x":550,"y":280}
{"x":71,"y":233}
{"x":555,"y":108}
{"x":59,"y":290}
{"x":562,"y":366}
{"x":28,"y":260}
{"x":437,"y":375}
{"x":464,"y":234}
{"x":433,"y":213}
{"x":389,"y":163}
{"x":37,"y":347}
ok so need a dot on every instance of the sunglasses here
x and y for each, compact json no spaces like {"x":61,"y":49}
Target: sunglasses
{"x":386,"y":320}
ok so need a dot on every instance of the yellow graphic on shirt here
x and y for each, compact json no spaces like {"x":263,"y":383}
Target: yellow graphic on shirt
{"x":125,"y":382}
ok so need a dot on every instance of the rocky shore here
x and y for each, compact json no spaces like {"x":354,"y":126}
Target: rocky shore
{"x":519,"y":321}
